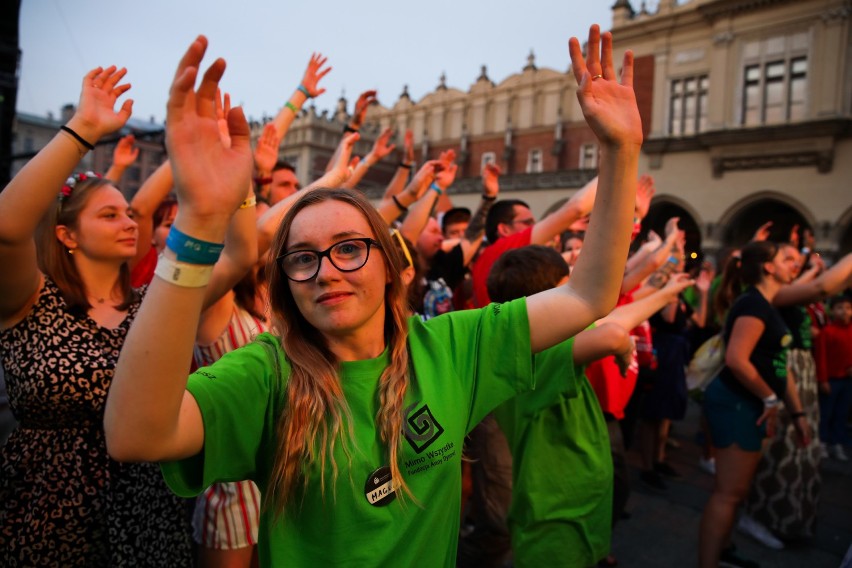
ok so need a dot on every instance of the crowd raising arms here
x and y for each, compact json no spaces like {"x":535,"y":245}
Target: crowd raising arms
{"x":151,"y":416}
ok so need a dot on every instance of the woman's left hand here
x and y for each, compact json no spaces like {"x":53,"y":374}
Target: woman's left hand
{"x":804,"y":432}
{"x":609,"y":106}
{"x":210,"y":178}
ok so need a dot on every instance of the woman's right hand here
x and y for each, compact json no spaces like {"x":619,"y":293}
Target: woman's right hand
{"x":96,"y":116}
{"x":210,"y":178}
{"x":770,"y":417}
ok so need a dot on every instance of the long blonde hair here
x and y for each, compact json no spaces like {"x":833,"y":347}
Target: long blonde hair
{"x":316,"y":416}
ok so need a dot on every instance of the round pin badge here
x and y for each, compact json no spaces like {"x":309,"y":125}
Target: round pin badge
{"x":379,"y":489}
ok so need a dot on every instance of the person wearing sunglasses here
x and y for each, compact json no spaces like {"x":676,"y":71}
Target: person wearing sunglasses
{"x":351,"y":415}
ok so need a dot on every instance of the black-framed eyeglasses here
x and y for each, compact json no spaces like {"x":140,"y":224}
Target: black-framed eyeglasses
{"x":346,"y":256}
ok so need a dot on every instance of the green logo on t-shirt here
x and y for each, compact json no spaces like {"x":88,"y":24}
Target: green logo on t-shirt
{"x":420,"y":427}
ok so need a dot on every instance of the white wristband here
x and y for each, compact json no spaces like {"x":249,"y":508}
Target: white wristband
{"x":183,"y":274}
{"x":771,"y":401}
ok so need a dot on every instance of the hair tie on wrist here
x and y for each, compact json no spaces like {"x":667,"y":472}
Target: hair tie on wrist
{"x":348,"y":128}
{"x":191,"y":250}
{"x":305,"y":90}
{"x":404,"y":165}
{"x":262,"y":180}
{"x":89,"y":146}
{"x":402,"y":207}
{"x":489,"y":197}
{"x":795,"y":415}
{"x":435,"y":187}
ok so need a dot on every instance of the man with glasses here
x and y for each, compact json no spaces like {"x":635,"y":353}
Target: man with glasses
{"x":510,"y":224}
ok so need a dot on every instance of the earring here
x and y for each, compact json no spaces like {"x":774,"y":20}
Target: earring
{"x":70,"y":251}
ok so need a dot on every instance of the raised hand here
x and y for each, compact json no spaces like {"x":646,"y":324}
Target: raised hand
{"x":584,"y":199}
{"x":609,"y":106}
{"x":705,"y":277}
{"x":313,"y":74}
{"x":340,"y":170}
{"x":96,"y":115}
{"x":223,"y":107}
{"x":211,"y":179}
{"x":644,"y":193}
{"x":491,"y":179}
{"x":762,"y":232}
{"x":447,"y":174}
{"x":382,"y":146}
{"x":794,"y":235}
{"x":125,"y":152}
{"x":424,"y":178}
{"x":361,"y":105}
{"x":408,"y":152}
{"x":671,"y":226}
{"x":677,"y":284}
{"x":266,"y":151}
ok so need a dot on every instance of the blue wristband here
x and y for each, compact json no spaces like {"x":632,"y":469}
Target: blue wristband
{"x":305,"y":91}
{"x":191,"y":250}
{"x":437,"y":188}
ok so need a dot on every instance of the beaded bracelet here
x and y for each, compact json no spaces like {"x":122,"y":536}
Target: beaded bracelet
{"x":192,"y":250}
{"x":436,"y":188}
{"x":181,"y":274}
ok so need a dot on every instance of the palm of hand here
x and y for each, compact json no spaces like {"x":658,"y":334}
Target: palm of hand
{"x":611,"y":112}
{"x":206,"y":172}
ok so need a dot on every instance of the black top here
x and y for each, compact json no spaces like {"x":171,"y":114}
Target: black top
{"x":799,"y":323}
{"x":770,"y":353}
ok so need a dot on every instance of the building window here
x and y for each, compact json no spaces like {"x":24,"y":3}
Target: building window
{"x":534,"y":165}
{"x":588,"y":156}
{"x":775,"y":81}
{"x":688,"y":105}
{"x":488,"y":158}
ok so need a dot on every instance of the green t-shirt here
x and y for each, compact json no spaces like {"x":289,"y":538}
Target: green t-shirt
{"x":464,"y":364}
{"x":561,"y":512}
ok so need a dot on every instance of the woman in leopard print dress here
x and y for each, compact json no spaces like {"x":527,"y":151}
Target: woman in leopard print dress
{"x":65,"y":307}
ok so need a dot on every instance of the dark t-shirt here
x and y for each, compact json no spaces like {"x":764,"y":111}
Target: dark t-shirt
{"x":770,"y":354}
{"x":798,"y":321}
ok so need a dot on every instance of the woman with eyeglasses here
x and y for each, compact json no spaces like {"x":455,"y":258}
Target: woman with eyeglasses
{"x":350,"y":416}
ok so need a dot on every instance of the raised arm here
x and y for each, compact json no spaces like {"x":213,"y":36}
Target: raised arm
{"x":149,"y":416}
{"x":832,"y":281}
{"x":32,"y":191}
{"x":611,"y":112}
{"x":308,"y":89}
{"x":403,"y":168}
{"x":145,"y":203}
{"x":265,"y":156}
{"x":579,"y":206}
{"x":381,"y":148}
{"x":268,"y":223}
{"x":124,"y":155}
{"x":415,"y":199}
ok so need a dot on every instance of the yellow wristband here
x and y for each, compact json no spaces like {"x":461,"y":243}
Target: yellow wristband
{"x":249,"y":202}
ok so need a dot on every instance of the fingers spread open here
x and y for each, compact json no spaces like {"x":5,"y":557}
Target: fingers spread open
{"x":181,"y":93}
{"x":113,"y":79}
{"x":593,"y":51}
{"x":206,"y":95}
{"x":238,"y":129}
{"x":627,"y":69}
{"x":607,"y":70}
{"x":578,"y":64}
{"x":193,"y":56}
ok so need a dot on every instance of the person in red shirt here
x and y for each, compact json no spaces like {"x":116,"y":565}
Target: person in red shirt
{"x":833,"y":349}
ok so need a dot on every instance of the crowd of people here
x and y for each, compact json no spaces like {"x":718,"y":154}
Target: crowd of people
{"x":233,"y":370}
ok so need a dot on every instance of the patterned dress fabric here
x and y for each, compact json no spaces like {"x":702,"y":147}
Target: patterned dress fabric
{"x":63,"y":500}
{"x":785,"y":492}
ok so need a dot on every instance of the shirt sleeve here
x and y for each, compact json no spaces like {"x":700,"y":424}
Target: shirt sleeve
{"x":488,"y":351}
{"x":238,"y":401}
